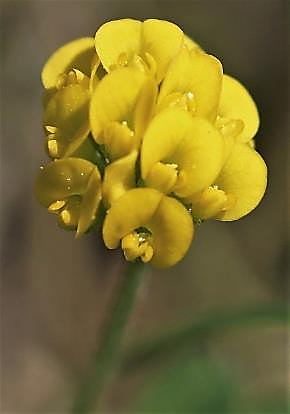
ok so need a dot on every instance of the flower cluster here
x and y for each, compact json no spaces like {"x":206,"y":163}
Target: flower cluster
{"x":146,"y":137}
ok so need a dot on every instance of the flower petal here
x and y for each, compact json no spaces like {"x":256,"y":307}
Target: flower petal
{"x":67,"y":110}
{"x":61,"y":179}
{"x":162,"y":40}
{"x":164,"y":134}
{"x":116,"y":38}
{"x":243,"y":178}
{"x":199,"y":74}
{"x":145,"y":107}
{"x":77,"y":54}
{"x":114,"y":98}
{"x":168,"y":221}
{"x":208,"y":203}
{"x":119,"y":177}
{"x":118,"y":140}
{"x":237,"y":103}
{"x":131,"y":211}
{"x":93,"y":77}
{"x":90,"y":202}
{"x":172,"y":232}
{"x":193,"y":144}
{"x":200,"y":155}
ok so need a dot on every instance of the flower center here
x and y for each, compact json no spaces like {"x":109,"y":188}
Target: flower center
{"x":137,"y":244}
{"x":184,"y":101}
{"x":210,"y":203}
{"x":73,"y":77}
{"x":162,"y":176}
{"x":68,"y":211}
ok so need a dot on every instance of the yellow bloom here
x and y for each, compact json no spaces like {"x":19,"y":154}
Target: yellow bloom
{"x":77,"y":54}
{"x":144,"y":121}
{"x":237,"y":190}
{"x":66,"y":120}
{"x":69,"y":76}
{"x":119,"y":177}
{"x":197,"y":77}
{"x":237,"y":104}
{"x":70,"y":188}
{"x":119,"y":41}
{"x":149,"y":225}
{"x":189,"y":148}
{"x":121,"y":107}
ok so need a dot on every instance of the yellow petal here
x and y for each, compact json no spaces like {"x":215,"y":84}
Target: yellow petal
{"x":162,"y":40}
{"x":193,"y":144}
{"x":208,"y":203}
{"x":116,"y":38}
{"x":114,"y":99}
{"x":131,"y":211}
{"x":244,"y":179}
{"x":93,"y":77}
{"x":132,"y":247}
{"x":90,"y":202}
{"x":67,"y":110}
{"x":61,"y":179}
{"x":180,"y":100}
{"x":200,"y":157}
{"x":69,"y":216}
{"x":119,"y":177}
{"x":178,"y":76}
{"x":145,"y":107}
{"x":76,"y":54}
{"x":73,"y":77}
{"x":198,"y":74}
{"x":236,"y":103}
{"x":118,"y":139}
{"x":229,"y":129}
{"x":172,"y":231}
{"x":169,"y":223}
{"x":163,"y":177}
{"x":164,"y":134}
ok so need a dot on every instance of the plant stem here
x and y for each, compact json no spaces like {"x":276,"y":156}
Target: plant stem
{"x":107,"y":354}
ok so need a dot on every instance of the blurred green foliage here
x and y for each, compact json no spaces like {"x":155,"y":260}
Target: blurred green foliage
{"x":190,"y":385}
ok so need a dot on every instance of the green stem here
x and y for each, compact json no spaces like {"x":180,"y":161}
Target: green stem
{"x":107,"y":355}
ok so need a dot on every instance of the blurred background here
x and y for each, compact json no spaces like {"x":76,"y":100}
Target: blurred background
{"x":227,"y":298}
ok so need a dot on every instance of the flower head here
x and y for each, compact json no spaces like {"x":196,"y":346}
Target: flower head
{"x":141,"y":122}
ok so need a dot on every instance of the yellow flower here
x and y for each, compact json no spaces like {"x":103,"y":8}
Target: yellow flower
{"x":119,"y":177}
{"x":193,"y":80}
{"x":121,"y":107}
{"x":119,"y":41}
{"x":69,"y":76}
{"x":237,"y":104}
{"x":70,"y":188}
{"x":237,"y":190}
{"x":180,"y":153}
{"x":242,"y":181}
{"x":149,"y":225}
{"x":143,"y":121}
{"x":66,"y":120}
{"x":77,"y":54}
